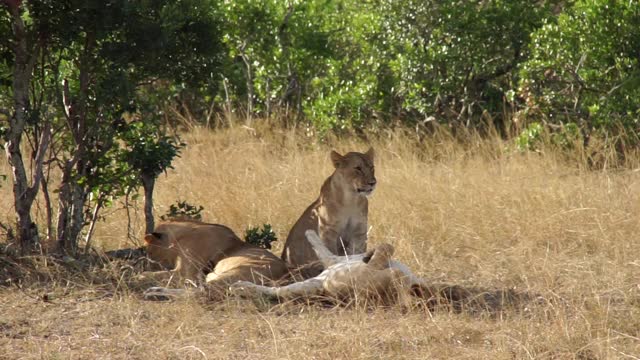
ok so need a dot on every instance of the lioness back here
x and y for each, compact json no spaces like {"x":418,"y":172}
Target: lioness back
{"x":338,"y":215}
{"x":203,"y":243}
{"x":194,"y":248}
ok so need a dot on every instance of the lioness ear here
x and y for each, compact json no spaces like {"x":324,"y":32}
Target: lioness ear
{"x":370,"y":153}
{"x":336,"y":159}
{"x":152,"y":238}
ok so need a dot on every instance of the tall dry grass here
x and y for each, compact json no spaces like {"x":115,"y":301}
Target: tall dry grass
{"x":469,"y":213}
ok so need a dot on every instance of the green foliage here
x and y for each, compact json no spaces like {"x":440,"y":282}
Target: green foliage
{"x":584,"y":67}
{"x":182,"y":209}
{"x":96,"y":62}
{"x":345,"y":91}
{"x":530,"y":137}
{"x":567,"y":136}
{"x":148,"y":150}
{"x":456,"y":59}
{"x":260,"y":237}
{"x":274,"y":50}
{"x":123,"y":47}
{"x":345,"y":62}
{"x":142,"y":149}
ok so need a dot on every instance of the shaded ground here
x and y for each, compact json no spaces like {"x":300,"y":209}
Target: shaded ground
{"x":54,"y":309}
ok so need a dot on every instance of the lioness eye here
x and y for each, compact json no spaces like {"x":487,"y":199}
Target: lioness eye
{"x":358,"y":168}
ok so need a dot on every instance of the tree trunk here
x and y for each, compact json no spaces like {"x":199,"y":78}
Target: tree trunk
{"x":78,"y":200}
{"x":148,"y":183}
{"x":24,"y":194}
{"x":64,"y":199}
{"x":71,"y":200}
{"x":72,"y":197}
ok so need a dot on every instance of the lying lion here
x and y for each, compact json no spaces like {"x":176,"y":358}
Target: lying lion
{"x":370,"y":275}
{"x":374,"y":275}
{"x":193,"y":249}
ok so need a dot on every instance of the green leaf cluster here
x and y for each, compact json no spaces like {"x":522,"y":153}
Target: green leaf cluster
{"x":182,"y":209}
{"x":584,"y":66}
{"x":261,"y":237}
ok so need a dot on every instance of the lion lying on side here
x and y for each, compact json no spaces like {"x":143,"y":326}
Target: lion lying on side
{"x":370,"y":275}
{"x":194,"y":248}
{"x":375,"y":276}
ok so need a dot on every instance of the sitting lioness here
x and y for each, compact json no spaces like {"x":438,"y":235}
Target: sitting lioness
{"x":339,"y":215}
{"x":194,"y":248}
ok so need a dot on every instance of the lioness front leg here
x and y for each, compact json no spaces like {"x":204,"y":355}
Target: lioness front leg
{"x":307,"y":288}
{"x":331,"y":239}
{"x":189,"y":270}
{"x":358,"y":242}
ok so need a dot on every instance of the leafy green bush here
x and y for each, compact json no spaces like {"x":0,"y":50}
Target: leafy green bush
{"x":147,"y":149}
{"x":530,"y":137}
{"x":533,"y":136}
{"x":182,"y":209}
{"x":261,"y":237}
{"x":345,"y":64}
{"x":455,"y":60}
{"x":584,"y":67}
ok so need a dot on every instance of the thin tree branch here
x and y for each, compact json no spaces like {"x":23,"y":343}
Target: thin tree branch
{"x":92,"y":226}
{"x":45,"y":139}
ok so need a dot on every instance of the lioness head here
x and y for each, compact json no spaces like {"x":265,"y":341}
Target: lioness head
{"x":357,"y":169}
{"x":161,"y":249}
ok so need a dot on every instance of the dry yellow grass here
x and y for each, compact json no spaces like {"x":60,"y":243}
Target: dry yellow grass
{"x":471,"y":215}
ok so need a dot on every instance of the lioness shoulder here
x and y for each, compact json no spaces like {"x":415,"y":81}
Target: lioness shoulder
{"x":338,"y":215}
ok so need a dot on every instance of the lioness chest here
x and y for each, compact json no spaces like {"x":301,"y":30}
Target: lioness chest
{"x":347,"y":224}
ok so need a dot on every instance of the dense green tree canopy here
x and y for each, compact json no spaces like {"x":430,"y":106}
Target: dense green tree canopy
{"x":90,"y":82}
{"x":585,"y":66}
{"x":94,"y":72}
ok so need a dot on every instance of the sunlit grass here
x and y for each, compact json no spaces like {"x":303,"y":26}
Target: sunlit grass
{"x":472,"y":213}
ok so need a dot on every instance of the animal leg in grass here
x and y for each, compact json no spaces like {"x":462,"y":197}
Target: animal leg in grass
{"x":218,"y":284}
{"x":358,"y":241}
{"x":308,"y":288}
{"x":402,"y":287}
{"x":162,"y":293}
{"x":380,"y":257}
